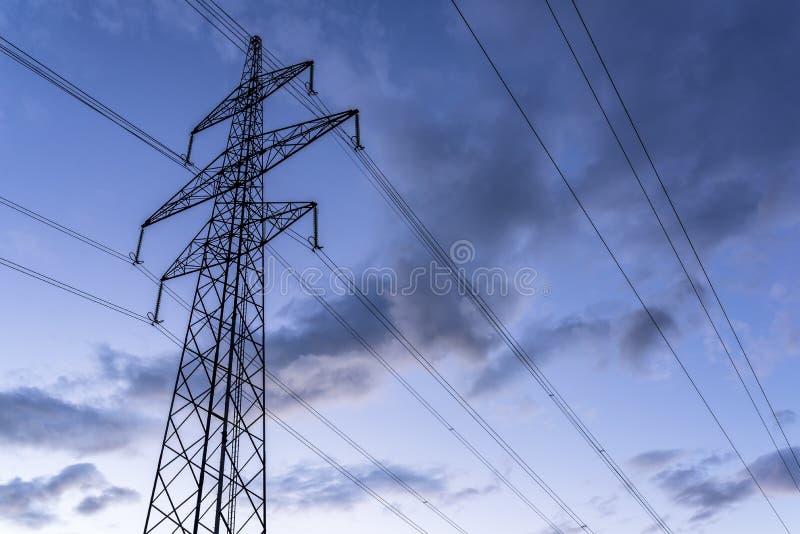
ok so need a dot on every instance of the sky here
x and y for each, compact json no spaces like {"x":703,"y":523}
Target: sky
{"x":84,"y":392}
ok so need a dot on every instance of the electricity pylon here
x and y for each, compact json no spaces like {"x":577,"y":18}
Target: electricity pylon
{"x":211,"y":470}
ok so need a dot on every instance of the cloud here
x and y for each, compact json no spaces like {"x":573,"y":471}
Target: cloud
{"x":318,"y":378}
{"x":691,"y":485}
{"x":306,"y":486}
{"x":708,"y":496}
{"x":640,"y":337}
{"x":773,"y":470}
{"x":786,"y":417}
{"x":656,"y":459}
{"x":32,"y":417}
{"x":588,"y":336}
{"x":571,"y":335}
{"x":93,"y":504}
{"x":31,"y":503}
{"x":440,"y":325}
{"x":137,"y":377}
{"x":314,"y":332}
{"x":697,"y":484}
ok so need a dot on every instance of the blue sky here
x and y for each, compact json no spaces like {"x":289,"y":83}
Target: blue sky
{"x":84,"y":392}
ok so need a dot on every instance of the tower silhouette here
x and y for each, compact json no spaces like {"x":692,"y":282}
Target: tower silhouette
{"x":211,"y":470}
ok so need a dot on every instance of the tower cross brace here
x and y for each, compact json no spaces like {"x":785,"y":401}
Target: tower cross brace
{"x":211,"y":473}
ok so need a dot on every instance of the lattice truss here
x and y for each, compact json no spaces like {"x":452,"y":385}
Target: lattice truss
{"x":211,"y":471}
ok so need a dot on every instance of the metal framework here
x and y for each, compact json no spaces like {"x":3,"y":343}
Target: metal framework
{"x":211,"y":471}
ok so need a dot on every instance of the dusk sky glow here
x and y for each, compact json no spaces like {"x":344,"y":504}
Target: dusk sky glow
{"x":712,"y":86}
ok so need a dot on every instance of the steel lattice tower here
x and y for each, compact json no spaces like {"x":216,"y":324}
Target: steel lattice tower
{"x":211,"y":471}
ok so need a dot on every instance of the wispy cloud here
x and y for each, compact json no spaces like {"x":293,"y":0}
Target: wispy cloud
{"x":710,"y":484}
{"x":32,"y":417}
{"x":306,"y":485}
{"x":32,"y":503}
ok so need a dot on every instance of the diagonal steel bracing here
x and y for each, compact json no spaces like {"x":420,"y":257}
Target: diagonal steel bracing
{"x":211,"y":470}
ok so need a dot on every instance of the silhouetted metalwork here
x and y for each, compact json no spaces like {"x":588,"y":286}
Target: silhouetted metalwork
{"x":211,"y":470}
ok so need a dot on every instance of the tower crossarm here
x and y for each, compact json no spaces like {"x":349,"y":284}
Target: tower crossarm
{"x":268,"y":83}
{"x":275,"y":217}
{"x":279,"y":145}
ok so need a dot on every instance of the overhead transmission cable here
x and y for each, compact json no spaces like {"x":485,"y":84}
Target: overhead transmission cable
{"x":309,"y":289}
{"x":120,"y":255}
{"x":32,"y":273}
{"x":283,"y":424}
{"x":29,"y":62}
{"x":399,"y":204}
{"x":272,"y":377}
{"x":372,"y":459}
{"x":431,"y":369}
{"x":344,"y":471}
{"x":674,"y":249}
{"x":174,"y":339}
{"x":628,"y":280}
{"x":419,"y":229}
{"x":693,"y":248}
{"x":92,"y":298}
{"x":114,"y":253}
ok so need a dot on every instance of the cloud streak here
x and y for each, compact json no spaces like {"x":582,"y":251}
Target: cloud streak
{"x":34,"y":418}
{"x":306,"y":486}
{"x":31,"y":503}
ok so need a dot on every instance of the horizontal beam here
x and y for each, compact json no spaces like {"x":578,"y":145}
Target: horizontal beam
{"x":281,"y":144}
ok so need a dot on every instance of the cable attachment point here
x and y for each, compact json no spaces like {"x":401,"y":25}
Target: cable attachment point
{"x":356,"y":139}
{"x":310,"y":83}
{"x":134,"y":256}
{"x":154,"y":316}
{"x":187,"y":158}
{"x":314,"y":239}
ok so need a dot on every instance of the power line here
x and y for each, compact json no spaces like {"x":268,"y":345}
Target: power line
{"x":344,"y":471}
{"x":377,"y":463}
{"x":114,"y":253}
{"x":119,"y":255}
{"x":426,"y":364}
{"x":408,"y":387}
{"x":31,"y":63}
{"x":690,"y":241}
{"x":418,"y":228}
{"x":36,"y":275}
{"x":106,"y":111}
{"x":672,"y":245}
{"x":174,"y":339}
{"x":206,"y":17}
{"x":619,"y":266}
{"x":391,"y":195}
{"x":233,"y":20}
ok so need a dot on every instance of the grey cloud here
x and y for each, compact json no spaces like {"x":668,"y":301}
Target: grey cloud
{"x":711,"y":99}
{"x":32,"y":417}
{"x":640,"y":336}
{"x":137,"y":377}
{"x":30,"y":503}
{"x":712,"y":496}
{"x":695,"y":485}
{"x":692,"y":487}
{"x":605,"y":505}
{"x":305,"y":486}
{"x":773,"y":470}
{"x":573,"y":334}
{"x":787,"y":417}
{"x":320,"y":334}
{"x":441,"y":325}
{"x":318,"y":378}
{"x":657,"y":459}
{"x":93,"y":504}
